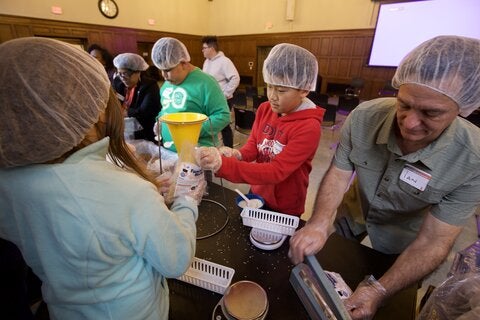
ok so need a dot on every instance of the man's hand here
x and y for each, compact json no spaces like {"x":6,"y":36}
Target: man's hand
{"x":307,"y":241}
{"x":364,"y":302}
{"x":311,"y":238}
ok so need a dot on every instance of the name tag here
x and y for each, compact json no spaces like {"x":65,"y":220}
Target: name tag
{"x":415,"y":177}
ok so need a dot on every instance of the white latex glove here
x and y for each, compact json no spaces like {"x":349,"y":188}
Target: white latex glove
{"x":364,"y":302}
{"x":208,"y":158}
{"x":230,"y":152}
{"x":197,"y":194}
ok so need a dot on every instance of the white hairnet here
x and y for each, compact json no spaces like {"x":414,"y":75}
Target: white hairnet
{"x":51,"y":95}
{"x":130,"y":61}
{"x":447,"y":64}
{"x":168,"y":53}
{"x":291,"y":66}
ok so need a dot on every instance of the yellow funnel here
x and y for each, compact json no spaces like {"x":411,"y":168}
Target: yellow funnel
{"x":185,"y":130}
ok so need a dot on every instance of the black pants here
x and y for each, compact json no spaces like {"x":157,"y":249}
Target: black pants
{"x":14,"y":286}
{"x":227,"y":133}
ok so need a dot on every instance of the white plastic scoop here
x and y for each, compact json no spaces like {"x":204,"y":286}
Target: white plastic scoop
{"x":244,"y":197}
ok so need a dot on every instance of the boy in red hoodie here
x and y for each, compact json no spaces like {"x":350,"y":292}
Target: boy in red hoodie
{"x":277,"y":157}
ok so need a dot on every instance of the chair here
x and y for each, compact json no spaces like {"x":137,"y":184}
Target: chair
{"x":251,"y":91}
{"x":330,"y":114}
{"x":348,"y":101}
{"x":257,"y":101}
{"x":239,"y":99}
{"x":356,"y":86}
{"x":388,"y":90}
{"x":319,"y":99}
{"x":244,"y":120}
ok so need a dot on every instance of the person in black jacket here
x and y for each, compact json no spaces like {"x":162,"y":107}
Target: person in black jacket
{"x":138,"y":94}
{"x":104,"y":57}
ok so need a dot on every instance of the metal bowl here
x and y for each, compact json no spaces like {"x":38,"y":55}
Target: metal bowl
{"x":245,"y":300}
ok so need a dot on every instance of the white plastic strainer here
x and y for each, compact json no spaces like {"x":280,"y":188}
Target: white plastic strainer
{"x":269,"y":220}
{"x":208,"y":275}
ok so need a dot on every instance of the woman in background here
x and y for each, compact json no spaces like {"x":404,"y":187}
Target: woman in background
{"x":104,"y":57}
{"x":139,"y":94}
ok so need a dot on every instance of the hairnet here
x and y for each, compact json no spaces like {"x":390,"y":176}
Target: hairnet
{"x":291,"y":66}
{"x":51,"y":95}
{"x":130,"y":61}
{"x":447,"y":64}
{"x":168,"y":53}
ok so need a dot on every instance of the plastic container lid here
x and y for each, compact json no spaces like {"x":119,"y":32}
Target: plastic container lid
{"x":266,"y":240}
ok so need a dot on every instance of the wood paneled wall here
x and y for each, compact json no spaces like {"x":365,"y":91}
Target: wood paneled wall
{"x":114,"y":39}
{"x":341,"y":54}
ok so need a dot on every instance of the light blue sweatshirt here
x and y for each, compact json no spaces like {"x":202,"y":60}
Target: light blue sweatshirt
{"x":101,"y":239}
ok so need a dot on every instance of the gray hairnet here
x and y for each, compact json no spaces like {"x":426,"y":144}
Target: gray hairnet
{"x":291,"y":66}
{"x":168,"y":53}
{"x":51,"y":95}
{"x":130,"y":61}
{"x":447,"y":64}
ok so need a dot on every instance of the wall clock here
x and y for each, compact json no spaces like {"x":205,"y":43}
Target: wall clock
{"x":108,"y":8}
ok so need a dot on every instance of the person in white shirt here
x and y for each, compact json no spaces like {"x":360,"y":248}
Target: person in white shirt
{"x":223,"y":70}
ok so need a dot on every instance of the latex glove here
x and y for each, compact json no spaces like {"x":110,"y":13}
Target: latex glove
{"x":199,"y":191}
{"x":208,"y":158}
{"x":196,"y":195}
{"x":165,"y":181}
{"x":230,"y":152}
{"x":364,"y":302}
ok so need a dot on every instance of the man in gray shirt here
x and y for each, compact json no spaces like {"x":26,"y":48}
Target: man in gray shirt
{"x":416,"y":165}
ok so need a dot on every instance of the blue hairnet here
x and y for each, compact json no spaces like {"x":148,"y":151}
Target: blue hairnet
{"x":447,"y":64}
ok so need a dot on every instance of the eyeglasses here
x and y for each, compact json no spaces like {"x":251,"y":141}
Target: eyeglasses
{"x":170,"y":69}
{"x":126,"y":74}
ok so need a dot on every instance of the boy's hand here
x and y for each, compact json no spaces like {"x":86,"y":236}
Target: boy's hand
{"x":208,"y":158}
{"x":230,"y":152}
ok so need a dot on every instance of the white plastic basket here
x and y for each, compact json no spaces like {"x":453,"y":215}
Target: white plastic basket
{"x":208,"y":275}
{"x":269,"y":220}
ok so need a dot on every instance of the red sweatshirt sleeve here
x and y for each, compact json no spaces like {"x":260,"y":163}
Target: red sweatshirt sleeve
{"x":301,"y":144}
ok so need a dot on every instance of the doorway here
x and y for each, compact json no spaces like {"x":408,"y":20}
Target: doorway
{"x":144,"y":49}
{"x":262,"y":53}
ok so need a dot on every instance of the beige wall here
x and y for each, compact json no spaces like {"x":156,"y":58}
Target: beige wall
{"x":268,"y":16}
{"x":181,"y":16}
{"x":198,"y":17}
